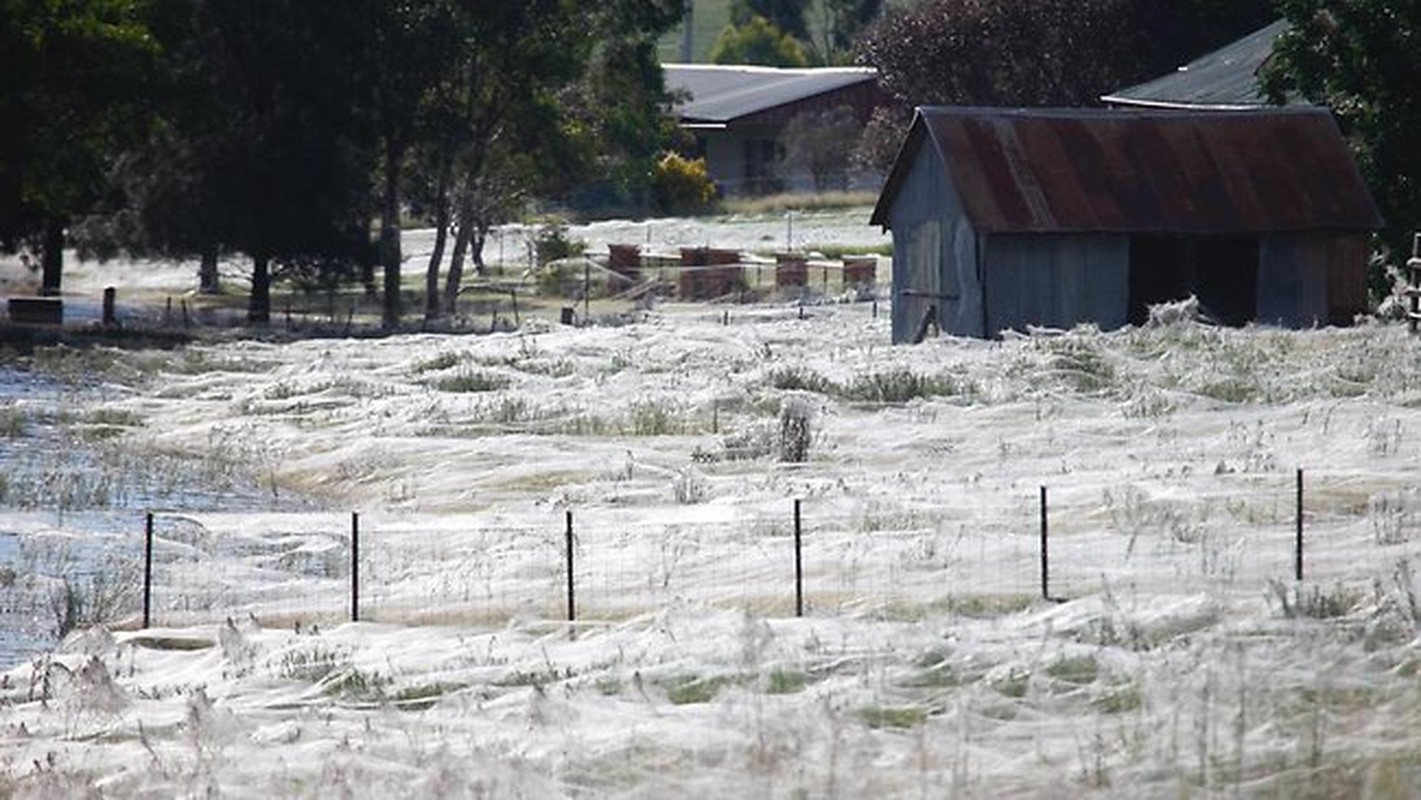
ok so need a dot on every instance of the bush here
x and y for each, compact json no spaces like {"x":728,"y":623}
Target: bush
{"x":552,"y":243}
{"x":796,"y":431}
{"x":682,"y":186}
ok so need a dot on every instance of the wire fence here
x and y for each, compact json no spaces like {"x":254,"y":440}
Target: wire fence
{"x":825,"y":555}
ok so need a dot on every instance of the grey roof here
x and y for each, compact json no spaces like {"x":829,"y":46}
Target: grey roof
{"x":1224,"y":80}
{"x":1141,"y":171}
{"x":722,"y":93}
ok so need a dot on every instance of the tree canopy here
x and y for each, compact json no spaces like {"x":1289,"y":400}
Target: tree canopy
{"x":757,"y":41}
{"x":281,"y":128}
{"x":73,"y":82}
{"x":1362,"y":59}
{"x":1043,"y":52}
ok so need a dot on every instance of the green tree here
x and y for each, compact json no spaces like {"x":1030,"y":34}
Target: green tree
{"x":259,"y":149}
{"x":757,"y":41}
{"x":786,"y":15}
{"x":72,"y":79}
{"x":547,"y":94}
{"x":1362,"y":59}
{"x":409,"y":48}
{"x":842,"y":21}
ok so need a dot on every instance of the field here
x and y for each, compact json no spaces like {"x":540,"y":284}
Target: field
{"x":1177,"y":657}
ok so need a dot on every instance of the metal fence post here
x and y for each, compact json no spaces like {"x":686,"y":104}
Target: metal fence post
{"x":1045,"y":559}
{"x":798,"y":563}
{"x":1298,"y":544}
{"x":148,"y":571}
{"x":355,"y":566}
{"x":571,"y":607}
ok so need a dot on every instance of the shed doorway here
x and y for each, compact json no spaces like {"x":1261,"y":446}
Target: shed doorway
{"x":1222,"y":272}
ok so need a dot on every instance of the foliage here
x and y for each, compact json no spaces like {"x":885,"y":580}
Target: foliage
{"x":543,"y":96}
{"x":786,"y":15}
{"x":881,"y":138}
{"x":1014,"y":52}
{"x":796,"y":431}
{"x":1362,"y":60}
{"x":256,"y":148}
{"x":552,"y":243}
{"x":72,"y":78}
{"x":1042,"y":52}
{"x":844,"y":21}
{"x":821,"y":143}
{"x":757,"y":41}
{"x":682,"y":186}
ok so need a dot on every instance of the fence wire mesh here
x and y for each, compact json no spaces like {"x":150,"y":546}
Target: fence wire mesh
{"x":978,"y":551}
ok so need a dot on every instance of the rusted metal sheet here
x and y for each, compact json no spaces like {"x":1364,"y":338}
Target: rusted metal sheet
{"x":1114,"y":171}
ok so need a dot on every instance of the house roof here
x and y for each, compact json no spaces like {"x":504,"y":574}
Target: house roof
{"x":1132,"y":171}
{"x":718,"y":94}
{"x":1224,"y":80}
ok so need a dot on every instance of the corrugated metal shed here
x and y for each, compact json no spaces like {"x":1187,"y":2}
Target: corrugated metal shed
{"x":1125,"y":171}
{"x":722,"y":93}
{"x":1224,"y":80}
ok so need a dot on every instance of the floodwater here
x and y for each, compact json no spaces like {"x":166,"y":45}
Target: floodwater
{"x":68,"y":515}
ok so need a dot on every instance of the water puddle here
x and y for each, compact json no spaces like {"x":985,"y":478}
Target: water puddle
{"x":72,"y":511}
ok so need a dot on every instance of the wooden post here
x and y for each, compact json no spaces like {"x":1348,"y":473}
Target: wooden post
{"x":571,"y":608}
{"x":1045,"y":558}
{"x":1298,"y":544}
{"x":1413,"y":268}
{"x":148,"y":572}
{"x":110,"y":318}
{"x":798,"y":563}
{"x":355,"y":566}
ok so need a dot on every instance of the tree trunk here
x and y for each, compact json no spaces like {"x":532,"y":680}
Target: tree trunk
{"x":390,"y":235}
{"x":476,"y":251}
{"x":52,"y":257}
{"x":259,"y":306}
{"x":432,"y":306}
{"x":456,"y":268}
{"x":208,"y":281}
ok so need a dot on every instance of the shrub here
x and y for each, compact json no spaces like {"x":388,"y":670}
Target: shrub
{"x":552,"y":243}
{"x":798,"y":379}
{"x":796,"y":431}
{"x":466,"y":381}
{"x":682,"y":186}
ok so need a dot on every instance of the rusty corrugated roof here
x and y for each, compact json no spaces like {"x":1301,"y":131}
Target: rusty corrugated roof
{"x":1091,"y":170}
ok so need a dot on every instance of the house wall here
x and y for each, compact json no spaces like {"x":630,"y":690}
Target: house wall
{"x":934,"y":254}
{"x":1056,"y":280}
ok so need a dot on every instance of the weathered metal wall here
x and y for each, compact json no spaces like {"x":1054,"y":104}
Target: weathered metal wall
{"x":1347,"y":256}
{"x":934,"y":254}
{"x":1312,"y":279}
{"x":1056,"y":281}
{"x":1292,"y":280}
